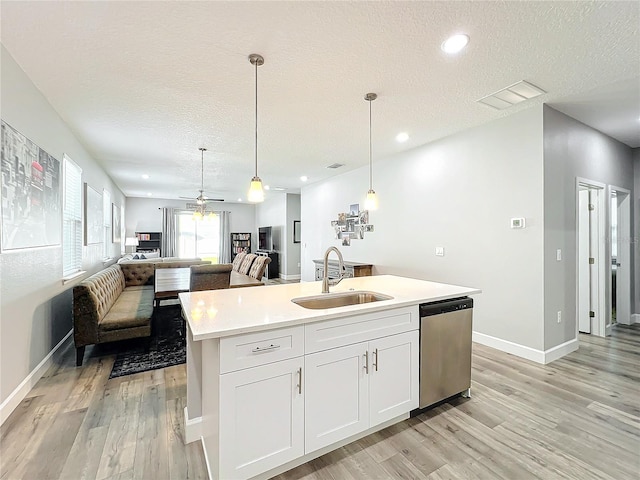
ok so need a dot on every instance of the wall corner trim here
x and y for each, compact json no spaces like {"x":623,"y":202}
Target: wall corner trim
{"x":22,"y":390}
{"x":560,"y":351}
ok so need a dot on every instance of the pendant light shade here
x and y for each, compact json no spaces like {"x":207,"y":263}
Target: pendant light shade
{"x":371,"y":202}
{"x":256,"y":193}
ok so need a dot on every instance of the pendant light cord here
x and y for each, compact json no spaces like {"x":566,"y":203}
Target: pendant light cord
{"x":202,"y":171}
{"x":256,"y":63}
{"x":370,"y":166}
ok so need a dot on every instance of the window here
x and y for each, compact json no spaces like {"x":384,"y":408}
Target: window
{"x":106,"y":222}
{"x":198,"y":238}
{"x":72,"y":218}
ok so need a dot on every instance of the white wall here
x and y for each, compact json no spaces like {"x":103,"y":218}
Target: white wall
{"x":144,"y":215}
{"x":36,"y":308}
{"x":572,"y":149}
{"x":459,"y":193}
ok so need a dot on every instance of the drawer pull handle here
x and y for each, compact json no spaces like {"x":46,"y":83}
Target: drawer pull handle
{"x":265,"y":349}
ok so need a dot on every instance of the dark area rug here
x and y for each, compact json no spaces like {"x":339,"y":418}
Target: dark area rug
{"x":167,"y":346}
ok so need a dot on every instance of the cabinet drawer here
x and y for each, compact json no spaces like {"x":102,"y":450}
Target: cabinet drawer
{"x":359,"y":328}
{"x":259,"y":348}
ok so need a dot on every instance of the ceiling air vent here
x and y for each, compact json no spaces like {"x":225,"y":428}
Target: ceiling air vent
{"x":336,"y":165}
{"x":516,"y":93}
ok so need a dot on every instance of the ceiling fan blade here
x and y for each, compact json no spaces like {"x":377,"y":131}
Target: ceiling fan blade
{"x":214,"y":199}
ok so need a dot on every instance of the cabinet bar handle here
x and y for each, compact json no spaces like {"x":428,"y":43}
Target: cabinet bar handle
{"x":300,"y":381}
{"x":375,"y":359}
{"x":265,"y":349}
{"x":366,"y":362}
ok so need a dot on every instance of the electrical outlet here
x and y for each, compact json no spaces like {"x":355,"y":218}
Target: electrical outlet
{"x":559,"y":255}
{"x":559,"y":316}
{"x":440,"y":251}
{"x":298,"y":264}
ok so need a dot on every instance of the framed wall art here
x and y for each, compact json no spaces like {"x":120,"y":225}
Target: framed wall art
{"x":31,"y":197}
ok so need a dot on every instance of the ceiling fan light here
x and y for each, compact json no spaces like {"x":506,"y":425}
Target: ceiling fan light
{"x":371,"y":203}
{"x":256,"y":194}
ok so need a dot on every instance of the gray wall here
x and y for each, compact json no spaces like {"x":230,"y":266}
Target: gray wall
{"x":35,"y":307}
{"x":459,"y":193}
{"x":273,"y":213}
{"x":144,"y":215}
{"x":571,"y":149}
{"x":635,"y":258}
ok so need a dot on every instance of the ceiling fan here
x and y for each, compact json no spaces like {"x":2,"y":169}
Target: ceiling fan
{"x":201,"y":199}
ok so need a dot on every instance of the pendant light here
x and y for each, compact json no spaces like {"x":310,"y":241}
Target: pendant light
{"x":256,"y":194}
{"x":371,"y":203}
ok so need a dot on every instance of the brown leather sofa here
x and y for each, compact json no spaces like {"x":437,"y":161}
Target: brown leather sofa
{"x":117,"y":302}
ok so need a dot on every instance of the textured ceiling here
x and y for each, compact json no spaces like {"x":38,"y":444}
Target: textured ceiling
{"x":144,"y":84}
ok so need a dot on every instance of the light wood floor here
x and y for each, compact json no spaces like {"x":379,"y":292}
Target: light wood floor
{"x":577,"y":418}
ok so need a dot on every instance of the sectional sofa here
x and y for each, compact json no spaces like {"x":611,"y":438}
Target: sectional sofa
{"x":117,"y":302}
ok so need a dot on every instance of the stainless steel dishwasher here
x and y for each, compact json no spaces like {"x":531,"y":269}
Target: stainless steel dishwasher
{"x":445,"y":349}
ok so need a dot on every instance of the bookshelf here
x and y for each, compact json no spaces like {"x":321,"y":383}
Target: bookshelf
{"x":240,"y":242}
{"x":149,"y":242}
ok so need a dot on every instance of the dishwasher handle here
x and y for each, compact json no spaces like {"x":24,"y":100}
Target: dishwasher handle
{"x":445,"y":306}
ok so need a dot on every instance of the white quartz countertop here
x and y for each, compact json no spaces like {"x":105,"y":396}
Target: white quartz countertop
{"x":221,"y":313}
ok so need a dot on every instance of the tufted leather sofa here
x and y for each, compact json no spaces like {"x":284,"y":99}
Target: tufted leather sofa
{"x":117,"y":302}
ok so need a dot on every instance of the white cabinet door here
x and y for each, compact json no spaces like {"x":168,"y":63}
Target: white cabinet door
{"x":393,"y":378}
{"x":262,"y":425}
{"x":336,"y":395}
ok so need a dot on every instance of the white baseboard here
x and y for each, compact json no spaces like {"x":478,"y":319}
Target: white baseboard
{"x":22,"y":390}
{"x":635,"y":318}
{"x":560,"y":350}
{"x":192,"y":428}
{"x":538,"y":356}
{"x":290,"y":277}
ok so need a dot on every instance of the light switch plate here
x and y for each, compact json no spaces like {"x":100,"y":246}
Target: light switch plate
{"x":517,"y":222}
{"x":440,"y":251}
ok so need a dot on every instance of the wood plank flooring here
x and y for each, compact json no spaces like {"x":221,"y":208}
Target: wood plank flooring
{"x":576,"y":418}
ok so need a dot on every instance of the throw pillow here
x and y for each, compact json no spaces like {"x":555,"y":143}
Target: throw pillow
{"x":142,"y":257}
{"x":135,"y":257}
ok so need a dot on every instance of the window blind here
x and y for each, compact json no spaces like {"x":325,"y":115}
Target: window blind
{"x":72,"y":218}
{"x":106,"y":222}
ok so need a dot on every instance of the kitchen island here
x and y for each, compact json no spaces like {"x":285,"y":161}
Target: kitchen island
{"x":271,"y":384}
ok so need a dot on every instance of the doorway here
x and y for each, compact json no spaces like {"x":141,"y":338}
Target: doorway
{"x":591,"y":253}
{"x":620,"y":255}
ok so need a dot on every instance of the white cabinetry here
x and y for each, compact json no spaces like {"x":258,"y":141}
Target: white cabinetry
{"x":263,"y":421}
{"x":336,"y":395}
{"x":356,"y":387}
{"x":275,"y":397}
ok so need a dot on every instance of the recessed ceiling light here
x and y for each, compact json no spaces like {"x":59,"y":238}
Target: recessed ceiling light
{"x":304,"y":178}
{"x":402,"y":137}
{"x":145,"y":176}
{"x":267,"y":187}
{"x":239,"y":199}
{"x":149,"y":194}
{"x":455,"y":43}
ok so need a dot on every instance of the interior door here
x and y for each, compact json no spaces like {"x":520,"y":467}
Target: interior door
{"x":584,"y":299}
{"x":620,"y":220}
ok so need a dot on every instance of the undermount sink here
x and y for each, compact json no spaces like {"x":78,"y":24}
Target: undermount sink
{"x":343,"y":299}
